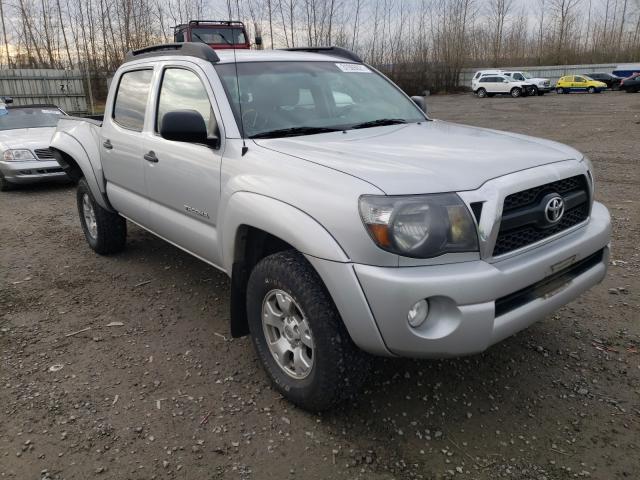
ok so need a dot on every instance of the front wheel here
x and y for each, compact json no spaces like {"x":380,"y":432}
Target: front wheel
{"x":591,"y":90}
{"x":105,"y":231}
{"x":298,"y":335}
{"x":516,"y":92}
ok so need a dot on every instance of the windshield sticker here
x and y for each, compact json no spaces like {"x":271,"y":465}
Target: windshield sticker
{"x":353,"y":68}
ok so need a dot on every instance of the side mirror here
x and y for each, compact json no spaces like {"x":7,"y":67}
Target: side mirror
{"x":185,"y":126}
{"x":420,"y":102}
{"x":258,"y":41}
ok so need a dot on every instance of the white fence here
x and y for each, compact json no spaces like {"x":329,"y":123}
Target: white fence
{"x":552,"y":72}
{"x":64,"y":88}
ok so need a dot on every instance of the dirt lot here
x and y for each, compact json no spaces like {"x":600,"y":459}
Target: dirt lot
{"x":167,"y":394}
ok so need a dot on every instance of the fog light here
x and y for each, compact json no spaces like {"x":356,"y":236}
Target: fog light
{"x":418,"y":313}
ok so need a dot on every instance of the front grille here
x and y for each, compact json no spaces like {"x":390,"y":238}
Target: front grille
{"x":528,"y":203}
{"x":546,"y":286}
{"x":44,"y":153}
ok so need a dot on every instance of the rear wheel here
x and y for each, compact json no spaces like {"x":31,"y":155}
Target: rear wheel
{"x":481,"y":92}
{"x":516,"y":92}
{"x":298,"y":335}
{"x":560,"y":90}
{"x":105,"y":231}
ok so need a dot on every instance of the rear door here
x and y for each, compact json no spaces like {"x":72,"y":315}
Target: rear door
{"x":183,"y":179}
{"x":121,"y":143}
{"x":579,"y":83}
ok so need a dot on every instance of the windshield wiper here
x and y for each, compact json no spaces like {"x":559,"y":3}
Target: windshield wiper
{"x":294,"y":131}
{"x":379,"y":123}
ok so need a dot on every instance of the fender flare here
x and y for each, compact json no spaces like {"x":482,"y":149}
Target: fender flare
{"x":280,"y":219}
{"x":65,"y":146}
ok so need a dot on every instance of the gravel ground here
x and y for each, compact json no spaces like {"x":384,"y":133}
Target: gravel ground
{"x":122,"y":367}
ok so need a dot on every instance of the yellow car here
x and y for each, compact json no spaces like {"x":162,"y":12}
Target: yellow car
{"x":579,"y":83}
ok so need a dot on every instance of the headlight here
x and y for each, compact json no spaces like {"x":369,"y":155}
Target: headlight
{"x":419,"y":226}
{"x":17,"y":155}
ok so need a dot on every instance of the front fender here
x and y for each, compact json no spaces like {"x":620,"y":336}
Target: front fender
{"x":280,"y":219}
{"x":81,"y":146}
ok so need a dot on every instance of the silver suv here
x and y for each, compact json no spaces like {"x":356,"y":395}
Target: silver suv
{"x":349,"y":222}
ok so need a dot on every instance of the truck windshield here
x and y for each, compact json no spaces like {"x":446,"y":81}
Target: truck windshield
{"x":222,"y":36}
{"x":301,"y":98}
{"x":29,"y":117}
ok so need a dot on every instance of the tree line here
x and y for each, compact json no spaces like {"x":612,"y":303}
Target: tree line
{"x":427,"y":41}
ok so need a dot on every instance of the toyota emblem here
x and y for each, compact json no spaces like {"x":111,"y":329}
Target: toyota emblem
{"x":554,"y":209}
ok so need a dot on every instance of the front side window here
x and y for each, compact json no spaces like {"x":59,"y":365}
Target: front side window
{"x":579,"y":79}
{"x":517,"y":76}
{"x":131,"y":99}
{"x":182,"y":90}
{"x":319,"y":95}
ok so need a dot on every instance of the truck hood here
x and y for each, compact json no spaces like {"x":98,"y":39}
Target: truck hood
{"x":30,"y":138}
{"x":432,"y":157}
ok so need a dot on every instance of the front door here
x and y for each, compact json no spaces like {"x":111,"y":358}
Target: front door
{"x":183,"y":179}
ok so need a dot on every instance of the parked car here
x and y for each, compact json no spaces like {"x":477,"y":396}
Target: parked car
{"x":351,"y":228}
{"x":579,"y":83}
{"x":631,"y":84}
{"x":612,"y":81}
{"x":219,"y":34}
{"x":540,"y":85}
{"x":25,"y":157}
{"x":500,"y":84}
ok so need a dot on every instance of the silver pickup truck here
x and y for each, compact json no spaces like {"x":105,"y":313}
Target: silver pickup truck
{"x":349,"y":221}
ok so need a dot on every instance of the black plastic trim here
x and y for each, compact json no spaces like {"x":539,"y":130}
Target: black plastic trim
{"x":517,"y":299}
{"x":190,"y":49}
{"x":335,"y":51}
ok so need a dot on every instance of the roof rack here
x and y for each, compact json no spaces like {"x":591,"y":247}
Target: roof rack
{"x":335,"y":51}
{"x":229,"y":23}
{"x":190,"y":49}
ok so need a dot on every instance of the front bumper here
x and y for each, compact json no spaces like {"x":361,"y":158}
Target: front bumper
{"x":32,"y":171}
{"x":462,"y":318}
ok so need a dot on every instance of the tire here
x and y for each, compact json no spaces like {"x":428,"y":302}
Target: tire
{"x":516,"y":92}
{"x":560,"y":90}
{"x":105,"y":231}
{"x":591,"y":90}
{"x":533,"y":91}
{"x":334,"y":368}
{"x":5,"y":186}
{"x":481,"y":92}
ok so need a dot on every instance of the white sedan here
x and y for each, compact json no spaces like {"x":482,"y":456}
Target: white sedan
{"x":25,"y":157}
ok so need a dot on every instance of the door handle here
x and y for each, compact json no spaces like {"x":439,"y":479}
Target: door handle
{"x":151,"y":157}
{"x":107,"y":144}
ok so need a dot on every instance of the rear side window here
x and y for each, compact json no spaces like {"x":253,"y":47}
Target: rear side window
{"x":131,"y":99}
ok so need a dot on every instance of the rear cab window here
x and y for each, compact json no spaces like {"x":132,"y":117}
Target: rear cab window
{"x":130,"y":104}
